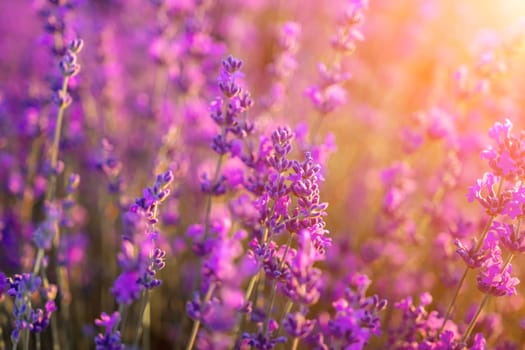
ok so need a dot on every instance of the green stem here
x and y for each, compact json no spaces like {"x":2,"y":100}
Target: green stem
{"x":274,"y":285}
{"x":26,"y":339}
{"x":54,"y":326}
{"x":197,"y":323}
{"x":2,"y":343}
{"x":50,"y":194}
{"x":144,"y":318}
{"x":465,"y":337}
{"x":146,"y":338}
{"x":38,"y":342}
{"x":247,"y":296}
{"x":119,"y":326}
{"x":270,"y":307}
{"x":460,"y":284}
{"x":295,"y":343}
{"x":475,"y":319}
{"x":287,"y":308}
{"x":38,"y":261}
{"x":478,"y":247}
{"x":453,"y":301}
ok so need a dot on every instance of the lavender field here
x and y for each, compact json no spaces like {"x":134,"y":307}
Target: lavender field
{"x":262,"y":174}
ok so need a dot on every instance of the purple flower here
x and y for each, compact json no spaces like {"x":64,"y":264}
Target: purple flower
{"x":110,"y":340}
{"x":419,"y":326}
{"x":473,"y":257}
{"x":494,"y":280}
{"x":41,"y":318}
{"x":326,"y":100}
{"x":297,"y":325}
{"x":261,"y":341}
{"x":126,"y":288}
{"x":46,"y":231}
{"x":357,"y":317}
{"x":303,"y":281}
{"x":509,"y":237}
{"x":507,"y":159}
{"x":485,"y":192}
{"x":21,"y":288}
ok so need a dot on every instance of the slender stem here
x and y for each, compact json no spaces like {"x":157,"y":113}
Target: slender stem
{"x":143,"y":318}
{"x":38,"y":342}
{"x":288,"y":243}
{"x":146,"y":338}
{"x":2,"y":343}
{"x":26,"y":339}
{"x":475,"y":318}
{"x":288,"y":307}
{"x":295,"y":343}
{"x":38,"y":261}
{"x":214,"y":182}
{"x":247,"y":296}
{"x":453,"y":301}
{"x":54,"y":326}
{"x":482,"y":305}
{"x":119,"y":326}
{"x":251,"y":286}
{"x":50,"y":194}
{"x":270,"y":306}
{"x":274,"y":285}
{"x":478,"y":247}
{"x":197,"y":323}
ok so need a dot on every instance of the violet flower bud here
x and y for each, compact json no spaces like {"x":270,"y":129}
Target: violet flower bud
{"x":231,"y":64}
{"x":76,"y":45}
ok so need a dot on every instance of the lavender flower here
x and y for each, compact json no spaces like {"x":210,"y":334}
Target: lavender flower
{"x":46,"y":231}
{"x":28,"y":318}
{"x":110,"y":340}
{"x":507,"y":158}
{"x":495,"y":279}
{"x":139,"y":258}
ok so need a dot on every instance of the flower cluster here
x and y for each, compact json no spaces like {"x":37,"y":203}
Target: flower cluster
{"x":110,"y":340}
{"x":330,"y":94}
{"x":355,"y":321}
{"x":320,"y":191}
{"x":28,"y":318}
{"x":139,"y":259}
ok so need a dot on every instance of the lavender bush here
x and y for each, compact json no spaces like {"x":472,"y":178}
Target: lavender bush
{"x":261,"y":175}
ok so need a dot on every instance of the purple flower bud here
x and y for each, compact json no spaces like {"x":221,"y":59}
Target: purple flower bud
{"x":220,"y":145}
{"x":297,"y":325}
{"x":231,"y":64}
{"x":76,"y":45}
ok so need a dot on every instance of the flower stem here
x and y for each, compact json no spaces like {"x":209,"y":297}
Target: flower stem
{"x":144,"y":321}
{"x":295,"y":343}
{"x":462,"y":280}
{"x":197,"y":323}
{"x":38,"y":342}
{"x":50,"y":194}
{"x":270,"y":306}
{"x":38,"y":261}
{"x":482,"y":305}
{"x":247,"y":296}
{"x":475,"y":318}
{"x":274,"y":285}
{"x":26,"y":339}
